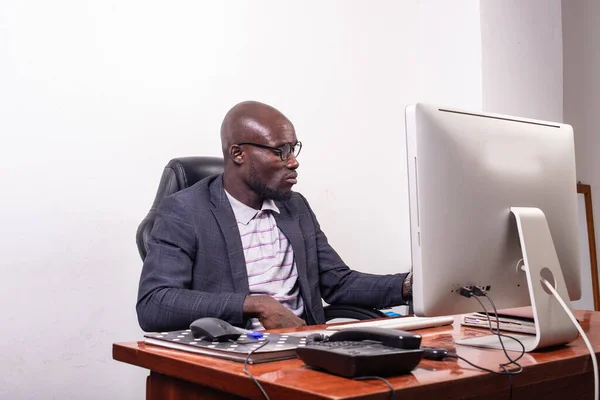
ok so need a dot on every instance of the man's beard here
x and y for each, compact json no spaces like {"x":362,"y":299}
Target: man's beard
{"x":264,"y":191}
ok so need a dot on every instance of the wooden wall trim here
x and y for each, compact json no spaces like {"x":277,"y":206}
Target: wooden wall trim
{"x":586,"y":190}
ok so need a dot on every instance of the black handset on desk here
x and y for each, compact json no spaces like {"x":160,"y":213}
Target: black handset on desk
{"x":364,"y":351}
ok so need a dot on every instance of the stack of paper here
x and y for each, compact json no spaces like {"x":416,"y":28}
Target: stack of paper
{"x":509,"y":321}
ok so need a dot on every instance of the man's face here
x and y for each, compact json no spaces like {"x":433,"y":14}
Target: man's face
{"x":268,"y":175}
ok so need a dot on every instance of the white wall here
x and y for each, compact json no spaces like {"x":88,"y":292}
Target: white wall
{"x":522,"y":48}
{"x":95,"y":97}
{"x":522,"y":58}
{"x":581,"y":38}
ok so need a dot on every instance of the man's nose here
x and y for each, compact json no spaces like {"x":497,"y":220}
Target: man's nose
{"x":292,"y":162}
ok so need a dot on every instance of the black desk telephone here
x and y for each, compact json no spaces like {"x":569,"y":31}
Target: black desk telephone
{"x":364,"y":351}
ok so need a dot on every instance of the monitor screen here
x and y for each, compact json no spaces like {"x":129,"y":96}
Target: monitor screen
{"x":466,"y":171}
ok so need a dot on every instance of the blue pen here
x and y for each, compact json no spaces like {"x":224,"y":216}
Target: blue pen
{"x":254,"y":335}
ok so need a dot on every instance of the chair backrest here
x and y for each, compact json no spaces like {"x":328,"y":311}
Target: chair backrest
{"x":178,"y":174}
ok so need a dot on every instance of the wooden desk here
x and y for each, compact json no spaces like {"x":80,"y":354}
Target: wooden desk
{"x":564,"y":372}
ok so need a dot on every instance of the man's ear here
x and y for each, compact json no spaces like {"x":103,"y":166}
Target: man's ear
{"x":236,"y":154}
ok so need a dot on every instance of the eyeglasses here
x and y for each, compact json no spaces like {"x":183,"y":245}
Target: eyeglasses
{"x":284,"y":151}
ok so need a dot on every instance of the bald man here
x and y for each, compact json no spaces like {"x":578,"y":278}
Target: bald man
{"x":244,"y":247}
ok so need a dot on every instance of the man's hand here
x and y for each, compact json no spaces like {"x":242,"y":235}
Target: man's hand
{"x":270,"y":312}
{"x":407,"y":287}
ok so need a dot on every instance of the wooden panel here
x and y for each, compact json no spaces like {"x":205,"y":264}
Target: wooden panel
{"x":163,"y":387}
{"x":586,"y":190}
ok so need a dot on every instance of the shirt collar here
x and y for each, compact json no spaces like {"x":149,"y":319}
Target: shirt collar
{"x":245,"y":214}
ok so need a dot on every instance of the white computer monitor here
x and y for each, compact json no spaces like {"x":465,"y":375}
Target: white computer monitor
{"x":486,"y":191}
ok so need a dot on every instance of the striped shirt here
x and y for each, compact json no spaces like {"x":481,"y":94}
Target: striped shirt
{"x":269,"y":256}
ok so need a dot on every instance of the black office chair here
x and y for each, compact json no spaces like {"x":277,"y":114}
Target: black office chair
{"x":179,"y":173}
{"x":183,"y":172}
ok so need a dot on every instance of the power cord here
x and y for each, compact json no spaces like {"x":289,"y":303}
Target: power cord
{"x":581,"y":332}
{"x":475,"y":292}
{"x":248,"y":372}
{"x":392,"y":391}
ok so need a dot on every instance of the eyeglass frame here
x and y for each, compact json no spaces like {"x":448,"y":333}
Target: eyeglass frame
{"x":278,"y":150}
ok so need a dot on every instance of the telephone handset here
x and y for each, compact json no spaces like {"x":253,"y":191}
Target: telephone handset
{"x":386,"y":336}
{"x":363,"y":351}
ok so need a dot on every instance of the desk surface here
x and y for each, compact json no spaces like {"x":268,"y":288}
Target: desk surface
{"x":555,"y":373}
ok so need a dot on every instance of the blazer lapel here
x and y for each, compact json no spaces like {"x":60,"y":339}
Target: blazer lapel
{"x":288,"y":222}
{"x":226,"y":220}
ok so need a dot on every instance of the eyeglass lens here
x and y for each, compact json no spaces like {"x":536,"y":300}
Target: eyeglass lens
{"x":288,"y":148}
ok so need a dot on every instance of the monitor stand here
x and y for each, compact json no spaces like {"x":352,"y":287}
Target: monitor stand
{"x":552,"y":324}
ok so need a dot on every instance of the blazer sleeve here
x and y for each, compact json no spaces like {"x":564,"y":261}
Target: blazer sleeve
{"x":341,"y":285}
{"x":165,"y":301}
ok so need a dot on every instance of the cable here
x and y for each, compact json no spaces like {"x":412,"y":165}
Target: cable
{"x":473,"y":293}
{"x":500,"y":335}
{"x":581,"y":332}
{"x":392,"y":391}
{"x":519,"y":262}
{"x":248,"y":372}
{"x":505,"y":372}
{"x":503,"y":366}
{"x":479,"y":292}
{"x":510,"y":381}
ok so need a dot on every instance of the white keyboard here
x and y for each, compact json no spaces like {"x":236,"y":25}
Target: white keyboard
{"x":404,"y":323}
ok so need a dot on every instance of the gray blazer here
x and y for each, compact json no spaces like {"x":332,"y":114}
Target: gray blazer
{"x":195,"y":265}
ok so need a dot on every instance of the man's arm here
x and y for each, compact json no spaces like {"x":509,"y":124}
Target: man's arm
{"x":341,"y":285}
{"x":165,"y":299}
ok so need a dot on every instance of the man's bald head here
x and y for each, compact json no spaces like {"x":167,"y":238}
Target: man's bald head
{"x":259,"y":147}
{"x":251,"y":121}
